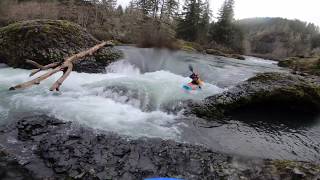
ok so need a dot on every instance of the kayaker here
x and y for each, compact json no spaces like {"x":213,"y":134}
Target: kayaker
{"x":195,"y":79}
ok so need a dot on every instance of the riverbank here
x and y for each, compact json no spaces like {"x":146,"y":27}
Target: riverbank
{"x":66,"y":150}
{"x":308,"y":65}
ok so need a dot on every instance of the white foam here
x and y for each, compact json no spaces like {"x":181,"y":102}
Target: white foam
{"x":84,"y":99}
{"x":123,"y":67}
{"x":3,"y":113}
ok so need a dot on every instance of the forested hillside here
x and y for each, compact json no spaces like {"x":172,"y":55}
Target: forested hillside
{"x":145,"y":22}
{"x":163,"y":23}
{"x":278,"y":37}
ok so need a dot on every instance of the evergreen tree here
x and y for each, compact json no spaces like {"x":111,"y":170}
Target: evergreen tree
{"x":204,"y":22}
{"x":315,"y":42}
{"x":170,"y":8}
{"x":109,"y":4}
{"x":225,"y":31}
{"x":146,"y":6}
{"x":155,"y":7}
{"x":131,"y":7}
{"x":188,"y":24}
{"x":120,"y":10}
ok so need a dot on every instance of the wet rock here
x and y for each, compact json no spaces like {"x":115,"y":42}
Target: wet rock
{"x":32,"y":127}
{"x":237,"y":56}
{"x":266,"y":92}
{"x":11,"y":169}
{"x":47,"y":41}
{"x":136,"y":97}
{"x":173,"y":107}
{"x":72,"y":151}
{"x":215,"y":52}
{"x":219,"y":53}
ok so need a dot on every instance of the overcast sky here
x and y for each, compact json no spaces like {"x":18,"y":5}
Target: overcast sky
{"x":305,"y":10}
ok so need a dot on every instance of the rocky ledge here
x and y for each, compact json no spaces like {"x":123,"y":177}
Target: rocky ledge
{"x":267,"y":93}
{"x":47,"y":41}
{"x":39,"y":147}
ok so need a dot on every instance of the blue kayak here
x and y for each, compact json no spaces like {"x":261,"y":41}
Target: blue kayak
{"x":163,"y":178}
{"x":190,"y":87}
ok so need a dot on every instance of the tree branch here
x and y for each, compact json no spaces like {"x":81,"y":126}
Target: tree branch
{"x":67,"y":70}
{"x":35,"y":71}
{"x":66,"y":67}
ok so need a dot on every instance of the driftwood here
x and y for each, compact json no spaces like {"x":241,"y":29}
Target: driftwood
{"x":65,"y":66}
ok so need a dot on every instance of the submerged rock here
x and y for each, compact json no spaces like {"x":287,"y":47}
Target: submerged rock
{"x":63,"y":150}
{"x":138,"y":98}
{"x":266,"y":92}
{"x":47,"y":41}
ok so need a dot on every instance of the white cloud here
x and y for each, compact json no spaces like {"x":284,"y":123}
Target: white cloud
{"x":305,"y":10}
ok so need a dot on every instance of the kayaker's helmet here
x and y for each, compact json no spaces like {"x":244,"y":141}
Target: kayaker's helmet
{"x":195,"y":76}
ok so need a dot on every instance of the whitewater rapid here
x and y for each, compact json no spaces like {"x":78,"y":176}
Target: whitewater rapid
{"x":136,"y":96}
{"x":133,"y":96}
{"x":124,"y":100}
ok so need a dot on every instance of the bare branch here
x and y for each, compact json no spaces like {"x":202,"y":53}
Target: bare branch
{"x":37,"y":80}
{"x":83,"y":54}
{"x":52,"y":65}
{"x":66,"y":72}
{"x":66,"y":67}
{"x":34,"y":64}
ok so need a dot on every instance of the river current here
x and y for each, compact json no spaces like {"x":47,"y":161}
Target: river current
{"x":132,"y":99}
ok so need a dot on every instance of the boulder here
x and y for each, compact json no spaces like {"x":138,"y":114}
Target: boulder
{"x":215,"y":52}
{"x":11,"y":169}
{"x":237,"y":56}
{"x":47,"y":41}
{"x":309,"y":65}
{"x":266,"y":92}
{"x":219,"y":53}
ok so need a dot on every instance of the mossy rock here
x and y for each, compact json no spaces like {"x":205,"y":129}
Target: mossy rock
{"x":295,"y":169}
{"x":237,"y":56}
{"x":188,"y":49}
{"x":309,"y":65}
{"x":220,"y":53}
{"x":215,"y":52}
{"x":189,"y":46}
{"x":47,"y":41}
{"x":285,"y":63}
{"x":269,"y":92}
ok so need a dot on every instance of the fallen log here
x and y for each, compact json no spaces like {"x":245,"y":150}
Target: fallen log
{"x":66,"y":67}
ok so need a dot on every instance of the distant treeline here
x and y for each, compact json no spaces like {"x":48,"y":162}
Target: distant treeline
{"x":159,"y":23}
{"x":280,"y":37}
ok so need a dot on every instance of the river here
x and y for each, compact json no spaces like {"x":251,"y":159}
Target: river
{"x":132,"y":99}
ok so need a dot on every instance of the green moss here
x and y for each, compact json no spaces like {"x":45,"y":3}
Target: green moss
{"x":288,"y":164}
{"x":47,"y":41}
{"x":303,"y":64}
{"x":188,"y":48}
{"x":11,"y":28}
{"x":283,"y":164}
{"x":265,"y":77}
